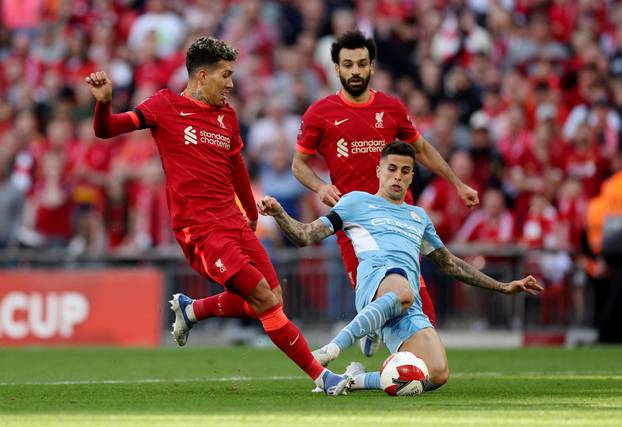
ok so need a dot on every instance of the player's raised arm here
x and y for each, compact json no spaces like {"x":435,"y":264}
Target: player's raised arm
{"x":459,"y":269}
{"x":329,"y":194}
{"x":106,"y":124}
{"x":302,"y":234}
{"x":429,"y":157}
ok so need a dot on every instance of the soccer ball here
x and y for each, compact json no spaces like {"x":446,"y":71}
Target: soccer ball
{"x":403,"y":374}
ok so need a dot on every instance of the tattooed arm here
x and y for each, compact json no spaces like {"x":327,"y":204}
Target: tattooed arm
{"x":301,"y":234}
{"x":459,"y":269}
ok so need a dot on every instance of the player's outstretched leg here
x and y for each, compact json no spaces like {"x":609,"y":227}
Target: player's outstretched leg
{"x":283,"y":333}
{"x":370,"y":344}
{"x":184,"y":317}
{"x":369,"y":319}
{"x":224,"y":304}
{"x":362,"y":380}
{"x":189,"y":311}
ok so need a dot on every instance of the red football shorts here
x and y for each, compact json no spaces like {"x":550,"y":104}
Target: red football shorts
{"x":351,"y":262}
{"x":219,"y":252}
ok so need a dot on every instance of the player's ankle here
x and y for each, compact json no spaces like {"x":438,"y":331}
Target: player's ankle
{"x":333,"y":350}
{"x":190,"y":312}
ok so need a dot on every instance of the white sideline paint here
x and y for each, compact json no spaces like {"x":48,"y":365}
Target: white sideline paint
{"x":522,"y":375}
{"x":156,"y":380}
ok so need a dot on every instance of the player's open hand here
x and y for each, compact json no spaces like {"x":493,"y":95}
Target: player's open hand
{"x":269,"y":206}
{"x":329,"y":194}
{"x":468,"y":195}
{"x":101,"y":86}
{"x":529,"y":285}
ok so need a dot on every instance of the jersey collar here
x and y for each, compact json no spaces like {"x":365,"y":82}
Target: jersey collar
{"x":355,"y":105}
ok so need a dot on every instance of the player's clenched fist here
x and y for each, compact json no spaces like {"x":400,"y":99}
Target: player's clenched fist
{"x":101,"y":86}
{"x":268,"y":206}
{"x":329,"y":194}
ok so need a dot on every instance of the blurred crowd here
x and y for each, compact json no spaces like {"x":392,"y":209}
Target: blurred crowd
{"x":522,"y":97}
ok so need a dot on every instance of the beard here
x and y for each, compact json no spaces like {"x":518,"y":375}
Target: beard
{"x":358,"y":90}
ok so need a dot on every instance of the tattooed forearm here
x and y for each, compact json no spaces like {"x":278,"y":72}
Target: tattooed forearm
{"x":459,"y":269}
{"x":302,"y":234}
{"x":294,"y":230}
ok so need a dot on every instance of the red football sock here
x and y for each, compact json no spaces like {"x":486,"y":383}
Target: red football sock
{"x":224,"y":304}
{"x":286,"y":336}
{"x":426,"y":302}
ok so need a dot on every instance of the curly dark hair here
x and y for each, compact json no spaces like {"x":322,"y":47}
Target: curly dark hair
{"x":206,"y":51}
{"x":352,"y":40}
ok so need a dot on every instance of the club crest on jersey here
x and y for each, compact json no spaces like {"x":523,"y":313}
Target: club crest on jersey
{"x":416,"y":217}
{"x":220,"y":119}
{"x":379,"y":117}
{"x":220,"y":266}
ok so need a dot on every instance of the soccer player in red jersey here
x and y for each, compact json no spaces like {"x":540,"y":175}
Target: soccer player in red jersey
{"x":349,"y":129}
{"x":198,"y":138}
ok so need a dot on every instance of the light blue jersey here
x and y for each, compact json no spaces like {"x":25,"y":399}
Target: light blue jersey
{"x":386,"y":236}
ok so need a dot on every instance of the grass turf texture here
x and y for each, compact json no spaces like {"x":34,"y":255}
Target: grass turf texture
{"x":171,"y":387}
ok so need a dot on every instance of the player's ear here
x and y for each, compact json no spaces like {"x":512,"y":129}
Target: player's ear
{"x":378,"y":171}
{"x":372,"y":68}
{"x":337,"y":69}
{"x":201,"y":75}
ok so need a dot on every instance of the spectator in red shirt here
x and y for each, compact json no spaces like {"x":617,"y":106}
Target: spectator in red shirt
{"x":493,"y":223}
{"x":446,"y":209}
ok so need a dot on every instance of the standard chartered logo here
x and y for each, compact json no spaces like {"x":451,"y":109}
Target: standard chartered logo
{"x":342,"y":148}
{"x":190,"y":135}
{"x":345,"y":148}
{"x":205,"y":137}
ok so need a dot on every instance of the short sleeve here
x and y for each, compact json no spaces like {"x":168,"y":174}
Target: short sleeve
{"x":310,"y":132}
{"x":430,"y":240}
{"x":406,"y":130}
{"x":149,"y":110}
{"x":344,"y":210}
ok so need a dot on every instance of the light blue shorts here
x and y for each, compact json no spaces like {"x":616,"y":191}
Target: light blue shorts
{"x":400,"y":328}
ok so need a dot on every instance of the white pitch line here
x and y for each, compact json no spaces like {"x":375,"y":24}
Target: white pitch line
{"x":508,"y":375}
{"x":155,"y":380}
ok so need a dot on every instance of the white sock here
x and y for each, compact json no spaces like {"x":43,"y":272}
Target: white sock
{"x":332,"y":349}
{"x":319,"y":381}
{"x":190,"y":313}
{"x":359,"y":382}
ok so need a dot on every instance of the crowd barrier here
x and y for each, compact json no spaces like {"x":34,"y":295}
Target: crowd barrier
{"x":48,"y":298}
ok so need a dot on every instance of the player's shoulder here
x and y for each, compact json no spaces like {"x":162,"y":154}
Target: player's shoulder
{"x":358,"y":194}
{"x":387,"y":99}
{"x":354,"y":197}
{"x":161,"y":96}
{"x":166,"y":94}
{"x":324,"y":103}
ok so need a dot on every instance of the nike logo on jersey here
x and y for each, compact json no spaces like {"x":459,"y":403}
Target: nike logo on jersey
{"x":338,"y":122}
{"x":185,"y":114}
{"x":294,"y":341}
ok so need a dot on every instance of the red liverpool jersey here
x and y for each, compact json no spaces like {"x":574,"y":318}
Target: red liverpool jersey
{"x":351,"y":136}
{"x":196,"y":143}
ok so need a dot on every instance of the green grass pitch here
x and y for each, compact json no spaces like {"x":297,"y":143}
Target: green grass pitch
{"x":249,"y":387}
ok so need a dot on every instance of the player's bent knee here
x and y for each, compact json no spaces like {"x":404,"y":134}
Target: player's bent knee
{"x":278,"y":293}
{"x":262,"y":298}
{"x":407,"y":297}
{"x":439,"y":376}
